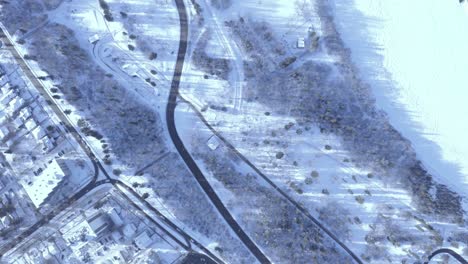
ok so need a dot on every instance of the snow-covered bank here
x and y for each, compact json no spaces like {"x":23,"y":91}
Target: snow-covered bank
{"x":411,"y":54}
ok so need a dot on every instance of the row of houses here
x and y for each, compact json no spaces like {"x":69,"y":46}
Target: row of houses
{"x":20,"y":115}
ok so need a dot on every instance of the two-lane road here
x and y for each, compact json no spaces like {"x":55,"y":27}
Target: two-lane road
{"x":170,"y":112}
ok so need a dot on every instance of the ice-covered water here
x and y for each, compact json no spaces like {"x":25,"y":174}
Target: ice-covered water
{"x":414,"y":54}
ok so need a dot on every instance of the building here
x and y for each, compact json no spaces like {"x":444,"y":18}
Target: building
{"x":4,"y":131}
{"x":213,"y":142}
{"x":99,"y":223}
{"x":41,"y":187}
{"x":24,"y":114}
{"x":93,"y":39}
{"x":30,"y":124}
{"x":38,"y":133}
{"x":115,"y":217}
{"x":300,"y":43}
{"x":7,"y":97}
{"x":4,"y":82}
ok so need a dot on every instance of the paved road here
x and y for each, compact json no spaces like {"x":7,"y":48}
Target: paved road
{"x":447,"y":251}
{"x":98,"y":167}
{"x":170,"y":112}
{"x":161,"y":216}
{"x":274,"y":186}
{"x":41,"y":89}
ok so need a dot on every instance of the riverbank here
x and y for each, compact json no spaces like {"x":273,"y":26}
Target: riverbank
{"x":410,"y":55}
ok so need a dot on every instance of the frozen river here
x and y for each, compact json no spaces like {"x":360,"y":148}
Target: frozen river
{"x":414,"y":54}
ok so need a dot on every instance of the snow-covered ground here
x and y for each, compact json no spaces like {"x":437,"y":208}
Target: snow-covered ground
{"x":412,"y":54}
{"x":372,"y":207}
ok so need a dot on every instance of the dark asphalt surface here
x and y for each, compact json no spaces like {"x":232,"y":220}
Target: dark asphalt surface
{"x":170,"y":113}
{"x":98,"y":167}
{"x":447,"y":251}
{"x":276,"y":187}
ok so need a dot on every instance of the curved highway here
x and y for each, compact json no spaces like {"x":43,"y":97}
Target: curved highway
{"x":170,"y":112}
{"x":447,"y":251}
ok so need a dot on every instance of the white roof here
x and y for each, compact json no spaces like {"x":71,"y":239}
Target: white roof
{"x":4,"y":131}
{"x":7,"y":97}
{"x":30,"y":124}
{"x":213,"y":142}
{"x":93,"y":38}
{"x":43,"y":185}
{"x":38,"y":133}
{"x":25,"y":112}
{"x":17,"y":122}
{"x":300,"y":42}
{"x":115,"y":217}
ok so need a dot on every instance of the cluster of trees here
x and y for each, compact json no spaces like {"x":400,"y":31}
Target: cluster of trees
{"x":144,"y":42}
{"x":215,"y":66}
{"x":260,"y":43}
{"x":389,"y":232}
{"x":29,"y":14}
{"x":221,"y":4}
{"x":285,"y":234}
{"x":331,"y":96}
{"x":180,"y":192}
{"x":131,"y":127}
{"x":107,"y":13}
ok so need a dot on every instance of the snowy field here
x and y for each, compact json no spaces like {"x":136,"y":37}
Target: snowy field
{"x":412,"y":56}
{"x":314,"y":168}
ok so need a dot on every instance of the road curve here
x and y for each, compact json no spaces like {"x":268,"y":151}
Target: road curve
{"x":98,"y":167}
{"x":170,"y":113}
{"x":447,"y":251}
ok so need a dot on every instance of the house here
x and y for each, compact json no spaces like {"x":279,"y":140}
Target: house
{"x":300,"y":43}
{"x":38,"y":133}
{"x":24,"y":114}
{"x":47,"y":143}
{"x":3,"y":116}
{"x":6,"y":98}
{"x":213,"y":142}
{"x":4,"y":131}
{"x":41,"y":187}
{"x":17,"y":123}
{"x":93,"y":39}
{"x":4,"y":81}
{"x":6,"y":220}
{"x":115,"y":217}
{"x":116,"y":236}
{"x":17,"y":102}
{"x":30,"y":124}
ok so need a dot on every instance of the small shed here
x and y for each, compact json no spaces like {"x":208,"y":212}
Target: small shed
{"x":300,"y":43}
{"x":213,"y":142}
{"x":93,"y":39}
